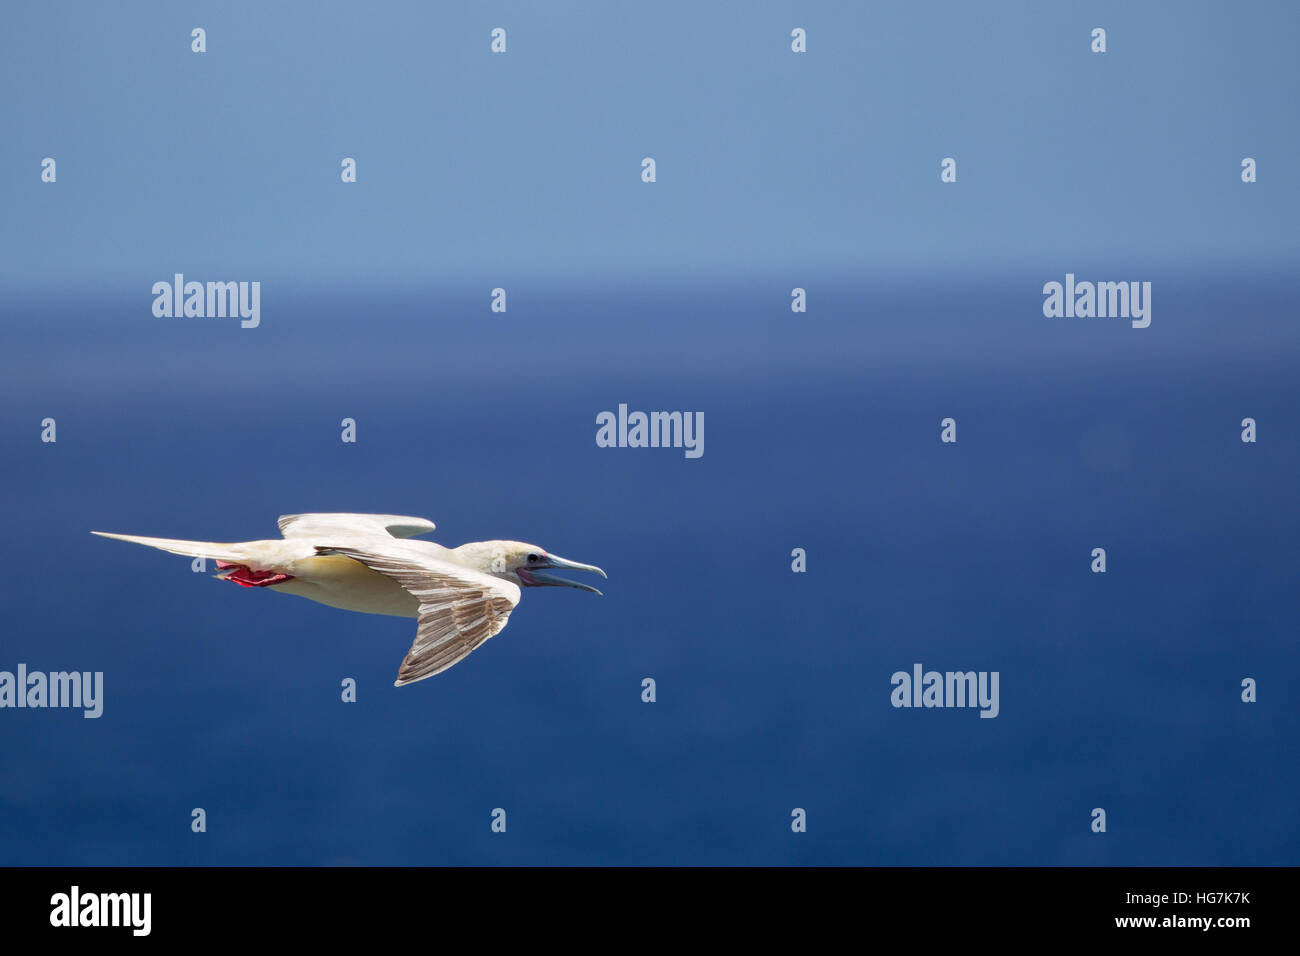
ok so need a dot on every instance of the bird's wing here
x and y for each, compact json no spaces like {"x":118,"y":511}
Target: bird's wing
{"x":399,"y":526}
{"x":459,"y":608}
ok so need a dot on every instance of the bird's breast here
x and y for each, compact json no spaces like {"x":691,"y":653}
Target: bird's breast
{"x":347,"y":584}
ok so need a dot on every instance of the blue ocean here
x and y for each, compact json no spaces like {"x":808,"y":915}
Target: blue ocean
{"x":1118,"y":690}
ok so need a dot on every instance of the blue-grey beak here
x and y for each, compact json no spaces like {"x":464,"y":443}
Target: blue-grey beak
{"x":542,"y":579}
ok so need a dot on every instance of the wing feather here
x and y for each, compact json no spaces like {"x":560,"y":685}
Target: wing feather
{"x":325,"y":523}
{"x":459,"y":608}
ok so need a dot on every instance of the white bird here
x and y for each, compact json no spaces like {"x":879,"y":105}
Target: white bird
{"x":461,"y":596}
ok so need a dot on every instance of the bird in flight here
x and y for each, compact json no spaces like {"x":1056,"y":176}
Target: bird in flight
{"x":369,"y":563}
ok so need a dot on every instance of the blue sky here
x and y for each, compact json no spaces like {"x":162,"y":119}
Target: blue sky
{"x":527,"y":164}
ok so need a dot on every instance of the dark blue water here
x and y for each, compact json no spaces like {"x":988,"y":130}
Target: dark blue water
{"x":1119,"y":691}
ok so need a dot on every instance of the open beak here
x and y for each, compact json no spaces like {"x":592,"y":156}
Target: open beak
{"x":542,"y":579}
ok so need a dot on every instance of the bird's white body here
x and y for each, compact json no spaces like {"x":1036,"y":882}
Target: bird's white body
{"x":369,"y":563}
{"x":350,"y":585}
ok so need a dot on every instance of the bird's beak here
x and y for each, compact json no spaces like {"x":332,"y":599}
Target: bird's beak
{"x":541,"y":578}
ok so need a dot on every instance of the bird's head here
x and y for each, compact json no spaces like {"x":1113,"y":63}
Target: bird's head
{"x":524,"y":564}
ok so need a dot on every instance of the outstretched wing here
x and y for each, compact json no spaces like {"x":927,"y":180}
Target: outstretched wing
{"x":459,"y":608}
{"x":326,"y":523}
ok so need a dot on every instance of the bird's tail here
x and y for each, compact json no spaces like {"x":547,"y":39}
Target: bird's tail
{"x":233,"y":553}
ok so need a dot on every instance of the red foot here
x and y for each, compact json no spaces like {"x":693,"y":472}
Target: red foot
{"x":247,"y":577}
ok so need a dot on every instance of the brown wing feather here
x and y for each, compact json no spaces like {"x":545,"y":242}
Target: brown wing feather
{"x":459,"y":608}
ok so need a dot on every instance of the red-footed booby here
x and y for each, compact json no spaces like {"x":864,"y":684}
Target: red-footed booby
{"x":369,"y":563}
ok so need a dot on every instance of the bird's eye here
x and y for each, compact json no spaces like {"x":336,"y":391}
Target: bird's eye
{"x":533,"y":559}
